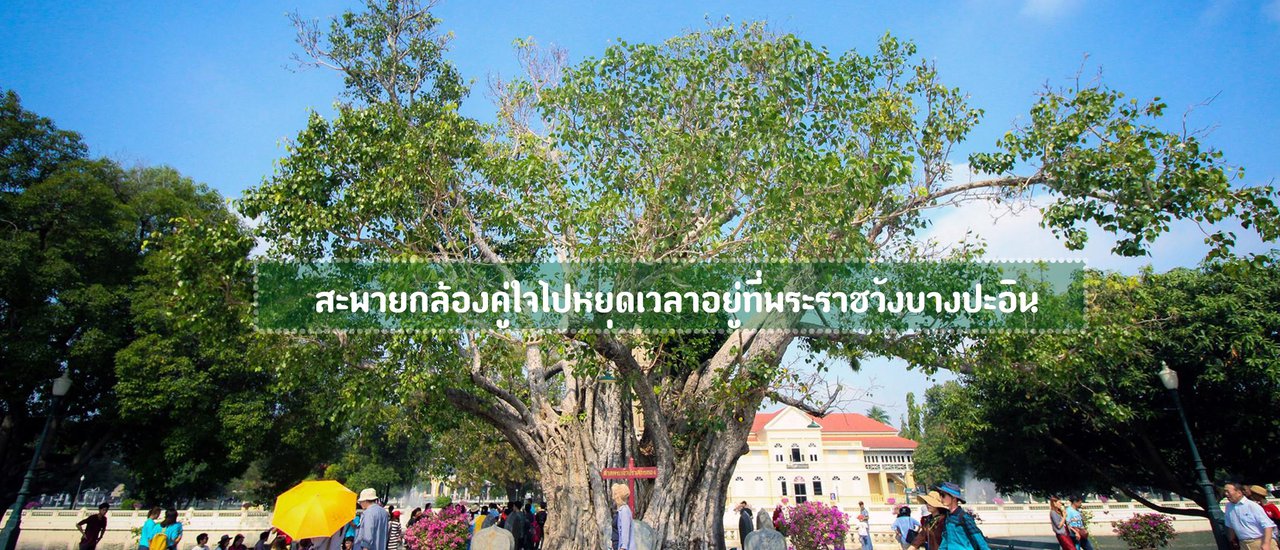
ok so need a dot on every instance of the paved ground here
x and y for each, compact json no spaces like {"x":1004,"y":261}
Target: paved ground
{"x":1185,"y":541}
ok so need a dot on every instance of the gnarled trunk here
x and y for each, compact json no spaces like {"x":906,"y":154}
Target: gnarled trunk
{"x":579,"y":508}
{"x":687,"y":506}
{"x":570,"y":444}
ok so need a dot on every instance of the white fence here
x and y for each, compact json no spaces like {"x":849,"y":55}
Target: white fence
{"x":56,"y":528}
{"x":1007,"y":520}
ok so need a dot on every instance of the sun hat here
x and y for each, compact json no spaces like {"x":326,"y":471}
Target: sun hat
{"x":953,"y":490}
{"x":367,"y":495}
{"x":932,"y":499}
{"x":1258,"y":490}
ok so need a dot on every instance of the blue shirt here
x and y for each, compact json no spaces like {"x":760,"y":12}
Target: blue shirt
{"x":1248,"y":520}
{"x":962,"y":533}
{"x":373,"y":533}
{"x":173,"y":533}
{"x":149,"y":531}
{"x":1075,"y":518}
{"x":625,"y":539}
{"x":904,"y":524}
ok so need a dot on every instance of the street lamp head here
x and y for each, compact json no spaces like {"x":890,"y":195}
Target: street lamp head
{"x":1168,"y":377}
{"x":61,"y":385}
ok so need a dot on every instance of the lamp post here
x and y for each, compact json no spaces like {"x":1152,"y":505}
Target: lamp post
{"x":76,"y":496}
{"x":9,"y":535}
{"x":1169,"y":378}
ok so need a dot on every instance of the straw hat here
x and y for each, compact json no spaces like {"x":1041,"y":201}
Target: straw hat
{"x":932,"y":499}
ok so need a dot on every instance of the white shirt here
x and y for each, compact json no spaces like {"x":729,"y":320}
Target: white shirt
{"x":864,"y":529}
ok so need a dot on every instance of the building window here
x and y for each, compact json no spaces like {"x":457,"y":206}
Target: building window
{"x":813,"y":458}
{"x":779,"y":457}
{"x":817,"y":488}
{"x":784,"y":488}
{"x":801,"y":492}
{"x":795,"y":455}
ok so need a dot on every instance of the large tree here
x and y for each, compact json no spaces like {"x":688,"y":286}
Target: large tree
{"x":730,"y":143}
{"x":72,"y":253}
{"x":1087,"y":413}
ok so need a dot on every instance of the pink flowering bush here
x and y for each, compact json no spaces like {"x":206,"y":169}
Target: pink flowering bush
{"x":1145,"y":531}
{"x":446,"y":529}
{"x":815,"y":526}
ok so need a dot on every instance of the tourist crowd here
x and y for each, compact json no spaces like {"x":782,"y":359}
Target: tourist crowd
{"x":375,"y":527}
{"x":1252,"y":523}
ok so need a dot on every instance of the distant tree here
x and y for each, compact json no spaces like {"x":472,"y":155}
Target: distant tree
{"x":1086,"y":412}
{"x":878,"y":414}
{"x":912,"y":419}
{"x":942,"y":455}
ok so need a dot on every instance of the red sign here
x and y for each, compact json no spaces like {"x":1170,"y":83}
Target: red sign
{"x":631,"y":473}
{"x":635,"y":472}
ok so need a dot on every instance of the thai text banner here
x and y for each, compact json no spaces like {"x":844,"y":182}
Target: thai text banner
{"x":823,"y":297}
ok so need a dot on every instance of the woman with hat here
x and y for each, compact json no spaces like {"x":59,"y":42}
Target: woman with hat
{"x":929,"y":535}
{"x":1258,"y":494}
{"x":961,"y":531}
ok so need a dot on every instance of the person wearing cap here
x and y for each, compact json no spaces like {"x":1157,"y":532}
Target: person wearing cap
{"x":1247,"y":523}
{"x":372,"y":534}
{"x":1258,"y":494}
{"x":395,"y":533}
{"x":929,"y":536}
{"x":961,"y":531}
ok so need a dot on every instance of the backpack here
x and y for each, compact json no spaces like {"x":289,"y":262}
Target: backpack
{"x":158,"y":542}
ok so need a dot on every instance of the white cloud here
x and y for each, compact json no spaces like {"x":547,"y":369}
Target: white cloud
{"x":1047,"y":10}
{"x":1016,"y":234}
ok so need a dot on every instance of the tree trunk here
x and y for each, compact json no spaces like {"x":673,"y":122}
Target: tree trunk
{"x":579,"y":508}
{"x":687,"y":508}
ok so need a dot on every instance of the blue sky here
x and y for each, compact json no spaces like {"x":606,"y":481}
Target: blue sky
{"x":206,"y":87}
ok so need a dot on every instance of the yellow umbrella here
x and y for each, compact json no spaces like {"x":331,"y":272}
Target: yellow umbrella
{"x":314,"y":509}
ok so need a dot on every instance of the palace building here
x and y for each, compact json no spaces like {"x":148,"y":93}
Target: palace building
{"x":840,"y":459}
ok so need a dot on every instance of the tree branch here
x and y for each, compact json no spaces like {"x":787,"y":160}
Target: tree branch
{"x":478,"y":377}
{"x":1112,"y":482}
{"x":803,"y":404}
{"x":511,"y":426}
{"x":922,"y":202}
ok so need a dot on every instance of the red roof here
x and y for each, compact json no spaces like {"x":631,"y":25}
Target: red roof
{"x":892,"y":442}
{"x":834,"y":423}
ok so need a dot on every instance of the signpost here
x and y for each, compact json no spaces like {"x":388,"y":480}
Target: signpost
{"x":631,"y":473}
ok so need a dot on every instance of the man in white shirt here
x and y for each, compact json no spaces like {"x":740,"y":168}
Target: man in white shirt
{"x":1247,"y":522}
